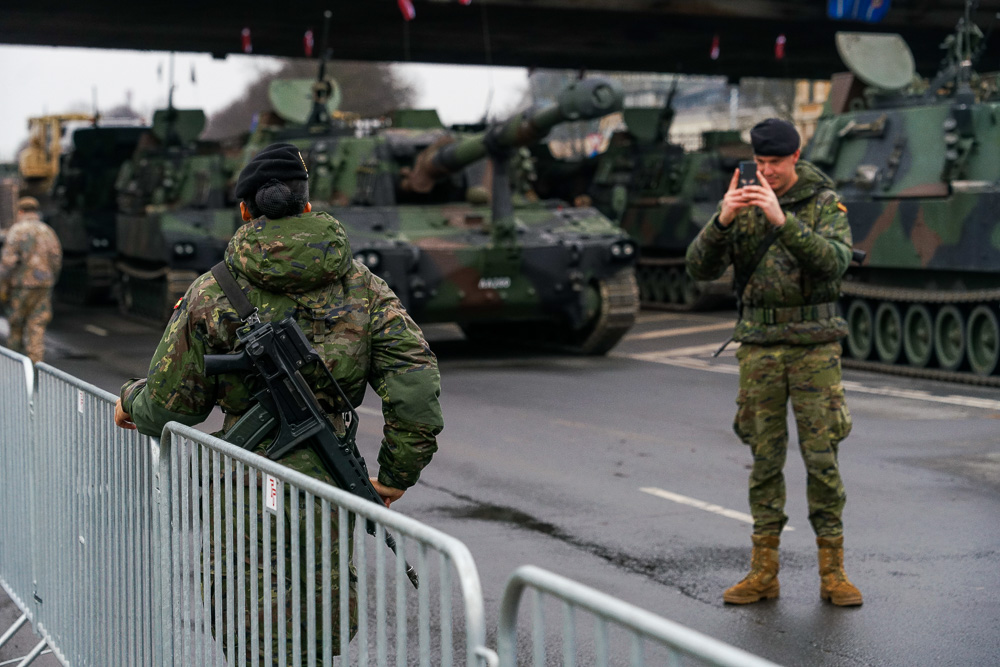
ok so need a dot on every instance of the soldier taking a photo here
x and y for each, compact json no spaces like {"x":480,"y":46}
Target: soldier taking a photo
{"x":788,"y":240}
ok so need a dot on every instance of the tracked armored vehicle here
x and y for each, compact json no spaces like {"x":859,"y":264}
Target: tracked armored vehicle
{"x":658,"y":193}
{"x":175,"y":212}
{"x":432,"y":212}
{"x":917,"y":166}
{"x":84,"y":207}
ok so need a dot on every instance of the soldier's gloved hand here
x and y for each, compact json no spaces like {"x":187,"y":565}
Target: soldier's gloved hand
{"x":388,"y":493}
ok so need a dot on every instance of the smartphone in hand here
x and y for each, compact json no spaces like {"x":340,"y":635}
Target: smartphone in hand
{"x":748,"y":173}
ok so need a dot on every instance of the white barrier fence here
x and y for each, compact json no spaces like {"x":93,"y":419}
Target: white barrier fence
{"x":124,"y":551}
{"x":641,"y":633}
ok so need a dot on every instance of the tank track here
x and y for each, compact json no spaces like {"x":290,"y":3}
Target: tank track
{"x":619,"y":307}
{"x":664,"y":286}
{"x":876,"y":294}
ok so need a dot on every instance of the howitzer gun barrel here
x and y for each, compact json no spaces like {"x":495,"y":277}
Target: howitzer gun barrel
{"x":582,"y":100}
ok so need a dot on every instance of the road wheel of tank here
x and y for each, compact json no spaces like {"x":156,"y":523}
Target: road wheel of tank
{"x":949,"y":337}
{"x":675,"y":285}
{"x":615,"y":314}
{"x":659,"y":285}
{"x":124,"y":295}
{"x":888,"y":332}
{"x":859,"y":329}
{"x":918,"y":335}
{"x":983,"y":340}
{"x":691,"y":292}
{"x":644,"y":278}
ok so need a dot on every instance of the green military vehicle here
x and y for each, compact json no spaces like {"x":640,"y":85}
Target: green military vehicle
{"x":175,"y":212}
{"x":432,"y":211}
{"x":657,"y":192}
{"x":916,"y":164}
{"x":83,"y":207}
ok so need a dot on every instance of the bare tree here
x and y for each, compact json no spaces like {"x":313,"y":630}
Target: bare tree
{"x":368,"y":88}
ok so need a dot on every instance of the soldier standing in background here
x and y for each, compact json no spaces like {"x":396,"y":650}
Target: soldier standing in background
{"x":292,"y":262}
{"x":29,"y":267}
{"x":789,"y":243}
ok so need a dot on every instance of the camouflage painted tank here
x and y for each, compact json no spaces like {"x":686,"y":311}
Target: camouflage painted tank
{"x":84,"y":207}
{"x":175,"y":212}
{"x":432,"y":212}
{"x":658,"y":193}
{"x":918,"y":169}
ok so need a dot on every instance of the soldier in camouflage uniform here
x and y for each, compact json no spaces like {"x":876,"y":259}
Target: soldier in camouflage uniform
{"x":292,"y":262}
{"x":789,"y":330}
{"x":29,"y":267}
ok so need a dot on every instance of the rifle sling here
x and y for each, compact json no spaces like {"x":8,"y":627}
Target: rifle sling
{"x":232,"y":290}
{"x":744,"y":280}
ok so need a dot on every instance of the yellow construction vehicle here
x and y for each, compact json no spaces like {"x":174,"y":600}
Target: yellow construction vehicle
{"x":39,"y":162}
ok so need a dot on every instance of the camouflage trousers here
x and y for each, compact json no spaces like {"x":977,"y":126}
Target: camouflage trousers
{"x":29,"y":312}
{"x":809,"y":376}
{"x":271,"y":640}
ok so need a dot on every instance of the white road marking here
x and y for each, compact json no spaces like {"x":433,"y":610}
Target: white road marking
{"x":701,"y":504}
{"x":686,"y":358}
{"x":96,"y":330}
{"x":683,"y":331}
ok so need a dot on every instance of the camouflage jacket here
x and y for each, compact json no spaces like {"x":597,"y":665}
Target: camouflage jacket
{"x":300,"y":266}
{"x":791,"y":297}
{"x":32,"y":256}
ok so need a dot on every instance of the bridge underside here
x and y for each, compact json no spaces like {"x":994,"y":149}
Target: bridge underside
{"x":637,"y":35}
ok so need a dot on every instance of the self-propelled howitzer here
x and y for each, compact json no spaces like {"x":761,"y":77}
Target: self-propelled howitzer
{"x":431,"y":211}
{"x":917,"y":168}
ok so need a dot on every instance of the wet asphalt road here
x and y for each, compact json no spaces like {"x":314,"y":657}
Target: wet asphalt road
{"x":595,"y":468}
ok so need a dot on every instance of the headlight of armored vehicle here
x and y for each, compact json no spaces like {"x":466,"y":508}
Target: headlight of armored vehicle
{"x":369,"y":258}
{"x":183,"y":249}
{"x":622,"y":250}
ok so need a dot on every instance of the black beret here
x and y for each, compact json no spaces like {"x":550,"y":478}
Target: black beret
{"x":774,"y":137}
{"x":281,"y":162}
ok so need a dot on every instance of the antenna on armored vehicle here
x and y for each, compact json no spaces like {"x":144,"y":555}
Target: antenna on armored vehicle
{"x":308,"y":102}
{"x":322,"y":89}
{"x":667,"y":114}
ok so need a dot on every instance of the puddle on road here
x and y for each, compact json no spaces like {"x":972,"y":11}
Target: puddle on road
{"x":696,"y":572}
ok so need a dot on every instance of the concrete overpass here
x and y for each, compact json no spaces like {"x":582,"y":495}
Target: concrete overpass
{"x":639,"y":35}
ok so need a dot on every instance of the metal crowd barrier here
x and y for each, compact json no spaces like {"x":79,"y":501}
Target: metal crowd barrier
{"x":638,"y":626}
{"x":97,"y":562}
{"x":121,"y":550}
{"x":16,"y":564}
{"x":226,"y":500}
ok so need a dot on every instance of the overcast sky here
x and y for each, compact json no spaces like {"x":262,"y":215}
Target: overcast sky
{"x":49,"y":80}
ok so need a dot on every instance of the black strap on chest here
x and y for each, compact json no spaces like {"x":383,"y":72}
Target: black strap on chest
{"x":743,"y":279}
{"x":232,"y":290}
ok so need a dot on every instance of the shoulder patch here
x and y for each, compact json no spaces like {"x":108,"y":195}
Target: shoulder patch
{"x":179,"y":302}
{"x":842,"y":207}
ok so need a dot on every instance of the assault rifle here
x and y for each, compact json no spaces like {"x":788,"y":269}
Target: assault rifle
{"x":277,"y":353}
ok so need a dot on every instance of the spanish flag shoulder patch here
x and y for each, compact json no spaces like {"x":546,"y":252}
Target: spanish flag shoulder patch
{"x":179,"y":302}
{"x":842,"y":207}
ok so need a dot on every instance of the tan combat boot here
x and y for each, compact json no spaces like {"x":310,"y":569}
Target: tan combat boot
{"x":762,"y":582}
{"x":833,"y":583}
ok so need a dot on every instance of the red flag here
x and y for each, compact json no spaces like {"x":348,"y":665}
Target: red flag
{"x":245,"y":40}
{"x":406,"y":7}
{"x":779,"y":48}
{"x":464,"y":2}
{"x":307,"y":43}
{"x":714,"y":53}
